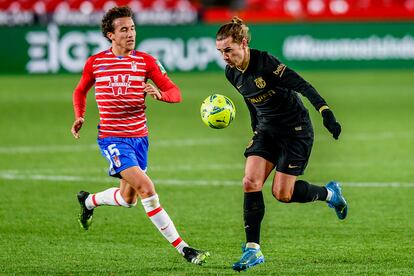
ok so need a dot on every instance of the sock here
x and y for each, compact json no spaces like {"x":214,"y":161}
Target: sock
{"x":254,"y":210}
{"x":252,"y":245}
{"x":162,"y":221}
{"x":329,"y":196}
{"x":111,"y":196}
{"x":305,"y":192}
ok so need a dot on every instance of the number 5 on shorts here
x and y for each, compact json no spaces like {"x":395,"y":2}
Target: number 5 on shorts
{"x":112,"y":155}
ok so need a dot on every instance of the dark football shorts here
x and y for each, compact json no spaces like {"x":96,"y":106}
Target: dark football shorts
{"x":289,"y":152}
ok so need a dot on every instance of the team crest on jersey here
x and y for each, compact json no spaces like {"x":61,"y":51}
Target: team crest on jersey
{"x":260,"y":82}
{"x":119,"y":84}
{"x":134,"y":66}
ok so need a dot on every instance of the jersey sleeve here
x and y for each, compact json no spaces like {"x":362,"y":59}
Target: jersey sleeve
{"x":156,"y":72}
{"x":85,"y":83}
{"x":287,"y":78}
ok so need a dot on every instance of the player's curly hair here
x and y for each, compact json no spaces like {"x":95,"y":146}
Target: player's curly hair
{"x":236,"y":29}
{"x":109,"y":17}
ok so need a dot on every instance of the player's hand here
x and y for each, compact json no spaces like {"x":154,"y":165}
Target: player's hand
{"x":152,"y":91}
{"x":77,"y":125}
{"x":330,"y":123}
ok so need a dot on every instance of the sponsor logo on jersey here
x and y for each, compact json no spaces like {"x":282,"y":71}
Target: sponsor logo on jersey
{"x":119,"y":84}
{"x":262,"y":97}
{"x":260,"y":82}
{"x":279,"y":70}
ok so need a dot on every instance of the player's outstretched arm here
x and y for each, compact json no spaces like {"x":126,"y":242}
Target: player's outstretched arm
{"x":330,"y":122}
{"x":77,"y":125}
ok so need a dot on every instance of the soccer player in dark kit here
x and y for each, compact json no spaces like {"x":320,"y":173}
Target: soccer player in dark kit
{"x":283,"y":133}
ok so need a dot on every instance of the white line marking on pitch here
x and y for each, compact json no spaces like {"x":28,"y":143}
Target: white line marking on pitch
{"x":90,"y":147}
{"x":76,"y":147}
{"x":202,"y":182}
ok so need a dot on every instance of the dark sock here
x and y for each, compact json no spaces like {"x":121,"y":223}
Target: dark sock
{"x":254,"y":210}
{"x":305,"y":192}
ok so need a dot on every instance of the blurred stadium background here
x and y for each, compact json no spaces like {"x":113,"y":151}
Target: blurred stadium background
{"x":359,"y":54}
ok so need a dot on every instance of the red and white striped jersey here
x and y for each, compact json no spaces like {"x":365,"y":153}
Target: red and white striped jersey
{"x":119,"y":91}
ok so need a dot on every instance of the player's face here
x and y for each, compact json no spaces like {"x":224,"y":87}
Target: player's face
{"x":234,"y":54}
{"x":123,"y":37}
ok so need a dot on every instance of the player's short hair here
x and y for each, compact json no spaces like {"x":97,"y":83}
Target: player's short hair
{"x":236,"y":29}
{"x":112,"y":14}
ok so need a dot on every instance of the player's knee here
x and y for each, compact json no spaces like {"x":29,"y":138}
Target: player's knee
{"x":251,"y":185}
{"x":145,"y":190}
{"x":282,"y":195}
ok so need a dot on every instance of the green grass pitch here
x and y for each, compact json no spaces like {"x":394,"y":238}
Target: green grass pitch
{"x":198,"y":172}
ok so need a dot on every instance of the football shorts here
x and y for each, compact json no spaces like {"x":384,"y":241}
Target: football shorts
{"x":123,"y":153}
{"x":288,"y":152}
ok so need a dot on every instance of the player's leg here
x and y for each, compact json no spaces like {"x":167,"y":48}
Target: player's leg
{"x":128,"y":193}
{"x":143,"y":185}
{"x":286,"y":188}
{"x":124,"y":196}
{"x":257,"y":170}
{"x":118,"y":154}
{"x":291,"y":163}
{"x":110,"y":197}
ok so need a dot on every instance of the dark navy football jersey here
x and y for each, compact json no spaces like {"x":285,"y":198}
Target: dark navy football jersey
{"x":270,"y":90}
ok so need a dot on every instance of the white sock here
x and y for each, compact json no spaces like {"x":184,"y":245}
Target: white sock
{"x":111,"y":196}
{"x":252,"y":245}
{"x":329,"y":196}
{"x":163,"y":222}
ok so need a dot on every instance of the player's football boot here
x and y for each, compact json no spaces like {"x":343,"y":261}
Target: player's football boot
{"x":337,"y":201}
{"x":195,"y":256}
{"x":85,"y":215}
{"x":250,"y":257}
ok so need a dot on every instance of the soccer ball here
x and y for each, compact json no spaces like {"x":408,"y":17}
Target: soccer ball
{"x":217,"y":111}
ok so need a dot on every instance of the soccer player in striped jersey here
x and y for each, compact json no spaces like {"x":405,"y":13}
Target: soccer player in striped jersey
{"x":120,"y":76}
